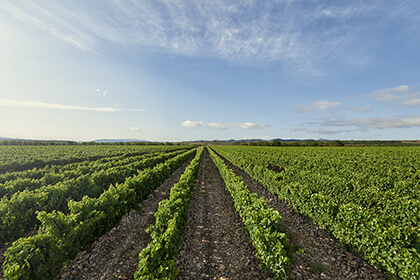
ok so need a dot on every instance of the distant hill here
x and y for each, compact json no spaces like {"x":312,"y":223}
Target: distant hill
{"x":230,"y":141}
{"x":256,"y":141}
{"x":20,"y":141}
{"x":119,"y":140}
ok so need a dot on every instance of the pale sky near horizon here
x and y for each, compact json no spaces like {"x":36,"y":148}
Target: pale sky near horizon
{"x":167,"y":70}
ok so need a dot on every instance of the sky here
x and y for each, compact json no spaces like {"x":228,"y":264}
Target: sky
{"x":178,"y":70}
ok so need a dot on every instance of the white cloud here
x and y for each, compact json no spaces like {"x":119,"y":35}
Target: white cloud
{"x":192,"y":124}
{"x":317,"y":106}
{"x":45,"y":105}
{"x":402,"y":95}
{"x":322,"y":131}
{"x":220,"y":126}
{"x":377,"y":123}
{"x":389,"y":94}
{"x":133,"y":128}
{"x":248,"y":125}
{"x":409,"y":102}
{"x":217,"y":126}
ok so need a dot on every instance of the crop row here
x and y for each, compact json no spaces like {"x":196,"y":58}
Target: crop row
{"x":38,"y":173}
{"x":62,"y":236}
{"x":19,"y":158}
{"x":263,"y":224}
{"x":18,"y":214}
{"x":157,"y":260}
{"x":55,"y":174}
{"x":371,"y":217}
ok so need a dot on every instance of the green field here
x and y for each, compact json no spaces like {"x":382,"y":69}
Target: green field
{"x":368,"y":198}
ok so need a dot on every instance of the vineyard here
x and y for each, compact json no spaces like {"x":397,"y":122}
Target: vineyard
{"x":218,"y":212}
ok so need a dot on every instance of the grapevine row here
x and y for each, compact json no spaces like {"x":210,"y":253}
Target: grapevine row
{"x":37,"y":173}
{"x":51,"y":175}
{"x":18,"y":214}
{"x":19,"y":158}
{"x":374,"y":220}
{"x":157,"y":260}
{"x":264,"y":225}
{"x":62,"y":236}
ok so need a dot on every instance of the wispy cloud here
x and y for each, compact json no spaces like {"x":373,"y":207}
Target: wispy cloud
{"x":57,"y":20}
{"x":133,"y":128}
{"x":323,"y":131}
{"x":409,"y":102}
{"x":299,"y":34}
{"x":194,"y":124}
{"x":389,"y":94}
{"x":248,"y":125}
{"x":362,"y":109}
{"x":402,"y":95}
{"x":45,"y":105}
{"x":376,"y":123}
{"x":317,"y":106}
{"x":220,"y":126}
{"x":217,"y":126}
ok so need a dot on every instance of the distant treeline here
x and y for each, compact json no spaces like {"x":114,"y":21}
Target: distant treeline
{"x":334,"y":143}
{"x":35,"y":143}
{"x":298,"y":143}
{"x":52,"y":143}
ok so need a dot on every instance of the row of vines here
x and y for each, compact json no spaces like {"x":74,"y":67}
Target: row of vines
{"x":71,"y":205}
{"x":20,"y":158}
{"x":368,"y":198}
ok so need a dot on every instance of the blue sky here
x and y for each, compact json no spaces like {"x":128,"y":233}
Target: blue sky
{"x":187,"y":70}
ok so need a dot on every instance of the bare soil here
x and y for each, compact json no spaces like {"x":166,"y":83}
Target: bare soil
{"x":215,"y":245}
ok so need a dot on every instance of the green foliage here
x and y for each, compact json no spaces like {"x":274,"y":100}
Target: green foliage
{"x":263,"y":224}
{"x":157,"y":260}
{"x":20,"y":158}
{"x":309,"y":143}
{"x":61,"y":236}
{"x":19,"y":212}
{"x":368,"y":198}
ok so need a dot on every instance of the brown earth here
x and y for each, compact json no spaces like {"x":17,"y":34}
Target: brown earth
{"x":215,"y":245}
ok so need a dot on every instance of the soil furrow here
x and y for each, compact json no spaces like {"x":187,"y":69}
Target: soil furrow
{"x":215,"y":245}
{"x":115,"y":254}
{"x":318,"y":255}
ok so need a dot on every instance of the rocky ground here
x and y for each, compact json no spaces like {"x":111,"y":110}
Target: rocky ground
{"x":318,"y":255}
{"x":215,"y":245}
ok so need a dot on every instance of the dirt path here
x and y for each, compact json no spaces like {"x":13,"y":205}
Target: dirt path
{"x":115,"y":254}
{"x":215,"y":245}
{"x":320,"y":257}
